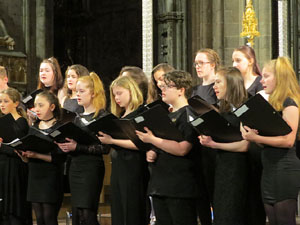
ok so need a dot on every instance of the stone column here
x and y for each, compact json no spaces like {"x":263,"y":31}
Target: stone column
{"x":147,"y":16}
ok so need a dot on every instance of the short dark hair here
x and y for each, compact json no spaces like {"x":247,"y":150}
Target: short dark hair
{"x":181,"y":79}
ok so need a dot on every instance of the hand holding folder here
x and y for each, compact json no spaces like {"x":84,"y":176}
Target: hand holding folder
{"x":35,"y":141}
{"x":207,"y":120}
{"x":72,"y":131}
{"x":258,"y":114}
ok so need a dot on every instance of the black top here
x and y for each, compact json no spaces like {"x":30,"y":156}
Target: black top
{"x":71,"y":104}
{"x":206,"y":92}
{"x":94,"y":149}
{"x":175,"y":176}
{"x":21,"y":128}
{"x":255,"y":87}
{"x":13,"y":178}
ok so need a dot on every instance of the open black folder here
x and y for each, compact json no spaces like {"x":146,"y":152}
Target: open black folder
{"x":72,"y":131}
{"x":258,"y":114}
{"x":108,"y":124}
{"x":35,"y":141}
{"x":7,"y":131}
{"x":200,"y":106}
{"x":206,"y":120}
{"x":28,"y":101}
{"x":213,"y":124}
{"x":157,"y":120}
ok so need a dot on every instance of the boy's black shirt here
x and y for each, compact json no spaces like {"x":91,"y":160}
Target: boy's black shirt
{"x":175,"y":176}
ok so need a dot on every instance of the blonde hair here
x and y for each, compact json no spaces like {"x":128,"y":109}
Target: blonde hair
{"x":286,"y":83}
{"x":15,"y":96}
{"x":95,"y":85}
{"x":136,"y":96}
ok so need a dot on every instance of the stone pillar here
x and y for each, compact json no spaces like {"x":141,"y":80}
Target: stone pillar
{"x":172,"y":33}
{"x":147,"y":17}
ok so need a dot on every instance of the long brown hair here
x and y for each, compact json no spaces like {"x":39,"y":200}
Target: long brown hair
{"x":249,"y":53}
{"x":236,"y":93}
{"x":58,"y":78}
{"x":15,"y":96}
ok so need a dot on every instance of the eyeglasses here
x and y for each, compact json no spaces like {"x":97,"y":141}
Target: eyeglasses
{"x":164,"y":86}
{"x":199,"y":64}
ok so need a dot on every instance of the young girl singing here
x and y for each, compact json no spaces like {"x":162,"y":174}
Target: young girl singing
{"x":45,"y":190}
{"x":13,"y":172}
{"x":69,"y":102}
{"x":87,"y":167}
{"x":281,"y":168}
{"x":129,"y":168}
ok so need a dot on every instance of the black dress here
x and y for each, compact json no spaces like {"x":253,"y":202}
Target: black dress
{"x":87,"y":169}
{"x":255,"y":87}
{"x":173,"y":178}
{"x":129,"y":178}
{"x":13,"y":179}
{"x":206,"y":163}
{"x":230,"y":184}
{"x":281,"y":171}
{"x":45,"y":180}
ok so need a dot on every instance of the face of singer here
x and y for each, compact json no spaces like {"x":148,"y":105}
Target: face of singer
{"x":240,"y":62}
{"x":268,"y":80}
{"x":42,"y":107}
{"x":7,"y":105}
{"x":220,"y":86}
{"x":72,"y":78}
{"x":159,"y":77}
{"x":204,"y":68}
{"x":46,"y":74}
{"x":122,"y":96}
{"x":84,"y":95}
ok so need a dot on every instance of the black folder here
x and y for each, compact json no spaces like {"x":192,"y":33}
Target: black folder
{"x":72,"y":131}
{"x":28,"y":101}
{"x":108,"y":124}
{"x":257,"y":113}
{"x":213,"y":124}
{"x":157,"y":120}
{"x":7,"y":131}
{"x":35,"y":141}
{"x":199,"y":105}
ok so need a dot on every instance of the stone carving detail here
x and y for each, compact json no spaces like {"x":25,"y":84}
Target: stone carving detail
{"x":5,"y":39}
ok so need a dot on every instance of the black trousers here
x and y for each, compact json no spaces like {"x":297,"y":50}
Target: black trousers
{"x":175,"y":211}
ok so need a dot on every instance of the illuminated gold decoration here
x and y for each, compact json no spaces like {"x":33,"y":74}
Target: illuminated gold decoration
{"x":250,"y":24}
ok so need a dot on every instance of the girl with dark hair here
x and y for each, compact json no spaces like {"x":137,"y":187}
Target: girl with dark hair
{"x":281,"y":167}
{"x":87,"y":167}
{"x":13,"y":172}
{"x":50,"y":76}
{"x":157,"y":79}
{"x":45,"y":190}
{"x":69,"y":101}
{"x":230,"y":193}
{"x":244,"y":59}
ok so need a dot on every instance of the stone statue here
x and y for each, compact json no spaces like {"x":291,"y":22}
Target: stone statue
{"x":5,"y":39}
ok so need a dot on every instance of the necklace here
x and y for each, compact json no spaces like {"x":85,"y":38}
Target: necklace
{"x":48,"y":119}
